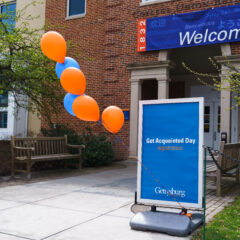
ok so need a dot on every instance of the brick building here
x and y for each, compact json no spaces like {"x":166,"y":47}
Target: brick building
{"x":104,"y":33}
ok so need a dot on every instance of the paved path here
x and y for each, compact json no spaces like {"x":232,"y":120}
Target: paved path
{"x":88,"y":207}
{"x":91,"y":207}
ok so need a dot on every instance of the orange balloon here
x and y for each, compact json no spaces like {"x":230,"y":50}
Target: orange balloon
{"x":113,"y":119}
{"x":54,"y":46}
{"x":86,"y":108}
{"x":73,"y":81}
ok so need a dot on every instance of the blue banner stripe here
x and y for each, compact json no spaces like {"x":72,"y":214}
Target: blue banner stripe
{"x":211,"y":26}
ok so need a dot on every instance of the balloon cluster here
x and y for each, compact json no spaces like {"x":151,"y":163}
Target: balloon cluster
{"x":72,"y":79}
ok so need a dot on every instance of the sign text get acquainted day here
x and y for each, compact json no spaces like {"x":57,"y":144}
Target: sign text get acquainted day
{"x":171,"y":141}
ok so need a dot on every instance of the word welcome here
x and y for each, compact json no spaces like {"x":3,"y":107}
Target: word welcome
{"x":170,"y":141}
{"x":198,"y":38}
{"x":172,"y":192}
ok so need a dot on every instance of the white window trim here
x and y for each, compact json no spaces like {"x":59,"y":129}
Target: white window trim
{"x":150,"y":2}
{"x":7,"y":3}
{"x":77,"y":15}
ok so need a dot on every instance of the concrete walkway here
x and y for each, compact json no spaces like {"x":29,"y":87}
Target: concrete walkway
{"x":88,"y":207}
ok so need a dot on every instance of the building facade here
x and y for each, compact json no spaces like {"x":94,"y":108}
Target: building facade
{"x":13,"y":121}
{"x":104,"y":37}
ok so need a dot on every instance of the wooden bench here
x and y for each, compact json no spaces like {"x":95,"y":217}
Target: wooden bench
{"x":28,"y":151}
{"x":231,"y":150}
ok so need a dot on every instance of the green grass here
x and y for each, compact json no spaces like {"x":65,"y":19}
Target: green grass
{"x":224,"y":226}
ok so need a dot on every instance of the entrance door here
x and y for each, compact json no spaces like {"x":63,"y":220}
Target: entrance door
{"x":212,"y":117}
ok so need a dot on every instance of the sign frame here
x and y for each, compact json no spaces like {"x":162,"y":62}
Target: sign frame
{"x":199,"y":204}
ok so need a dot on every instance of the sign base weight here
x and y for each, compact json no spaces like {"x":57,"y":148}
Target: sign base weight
{"x":166,"y":222}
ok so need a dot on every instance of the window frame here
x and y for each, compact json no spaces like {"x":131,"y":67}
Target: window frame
{"x":77,"y":15}
{"x":9,"y":3}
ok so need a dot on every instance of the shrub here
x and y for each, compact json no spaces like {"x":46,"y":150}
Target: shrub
{"x":98,"y":151}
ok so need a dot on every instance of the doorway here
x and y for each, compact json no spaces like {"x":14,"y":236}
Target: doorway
{"x":212,"y":114}
{"x":188,"y":85}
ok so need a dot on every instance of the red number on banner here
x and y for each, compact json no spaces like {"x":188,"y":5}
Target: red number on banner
{"x":142,"y":23}
{"x":141,"y":36}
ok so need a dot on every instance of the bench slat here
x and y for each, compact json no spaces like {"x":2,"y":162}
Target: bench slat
{"x":37,"y":138}
{"x":55,"y":156}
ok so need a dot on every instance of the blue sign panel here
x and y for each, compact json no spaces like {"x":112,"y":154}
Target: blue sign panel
{"x":170,"y":148}
{"x":126,"y":114}
{"x":211,"y":26}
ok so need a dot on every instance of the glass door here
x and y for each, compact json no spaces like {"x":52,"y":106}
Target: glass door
{"x":208,"y":124}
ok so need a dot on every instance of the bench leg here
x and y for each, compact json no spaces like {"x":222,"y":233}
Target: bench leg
{"x":65,"y":164}
{"x":13,"y":169}
{"x":29,"y":170}
{"x":80,"y":164}
{"x":218,"y":183}
{"x":237,"y":177}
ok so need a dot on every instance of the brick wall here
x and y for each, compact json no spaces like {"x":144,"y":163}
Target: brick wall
{"x":86,"y":35}
{"x":107,"y":34}
{"x":5,"y":157}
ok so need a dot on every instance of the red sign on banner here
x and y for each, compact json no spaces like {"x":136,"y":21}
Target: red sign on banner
{"x":141,"y":35}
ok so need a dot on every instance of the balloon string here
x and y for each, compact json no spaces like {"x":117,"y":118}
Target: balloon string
{"x":118,"y":139}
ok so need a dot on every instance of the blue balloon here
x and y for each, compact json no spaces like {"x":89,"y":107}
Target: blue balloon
{"x":69,"y":62}
{"x":68,"y":102}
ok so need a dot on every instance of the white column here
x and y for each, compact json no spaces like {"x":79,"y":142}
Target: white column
{"x":225,"y":104}
{"x":163,"y":89}
{"x":163,"y":83}
{"x":225,"y":94}
{"x":135,"y":97}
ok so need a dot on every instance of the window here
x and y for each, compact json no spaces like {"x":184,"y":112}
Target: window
{"x":3,"y":119}
{"x":76,"y":8}
{"x":207,"y":119}
{"x":9,"y":14}
{"x":4,"y":100}
{"x":3,"y":110}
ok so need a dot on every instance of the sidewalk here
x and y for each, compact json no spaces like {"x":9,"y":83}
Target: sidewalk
{"x":87,"y":207}
{"x":91,"y":207}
